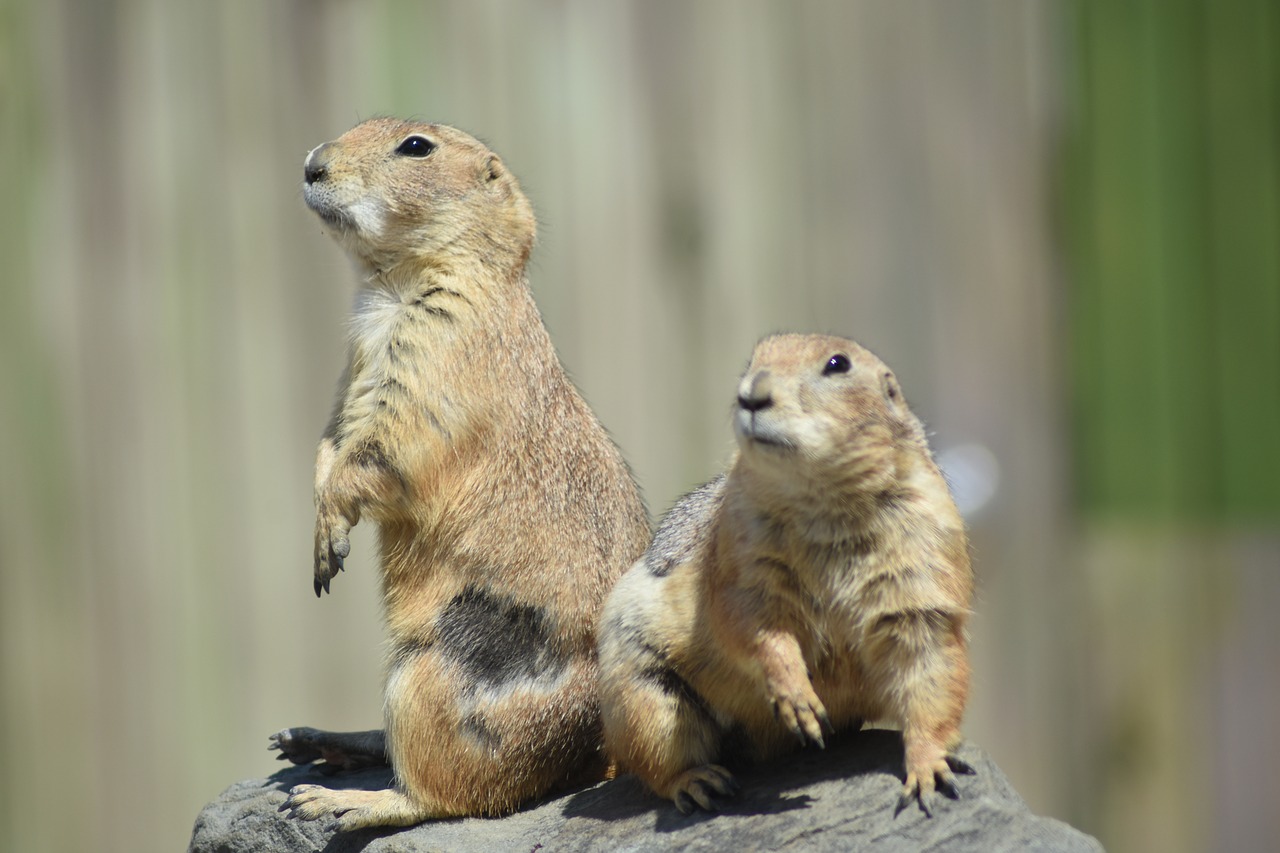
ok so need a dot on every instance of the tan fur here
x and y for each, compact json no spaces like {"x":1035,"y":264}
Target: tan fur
{"x":505,"y":514}
{"x":823,"y":581}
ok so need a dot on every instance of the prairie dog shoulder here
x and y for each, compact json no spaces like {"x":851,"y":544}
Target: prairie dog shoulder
{"x":823,"y":581}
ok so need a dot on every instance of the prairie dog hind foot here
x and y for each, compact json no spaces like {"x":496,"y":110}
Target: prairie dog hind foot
{"x":700,"y":786}
{"x":357,"y":809}
{"x":341,"y":750}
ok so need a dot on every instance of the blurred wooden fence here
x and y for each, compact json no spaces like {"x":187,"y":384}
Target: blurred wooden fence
{"x":1171,"y":204}
{"x":1172,"y":193}
{"x":705,"y":173}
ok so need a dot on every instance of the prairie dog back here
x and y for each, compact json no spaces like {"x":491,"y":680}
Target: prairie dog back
{"x":823,"y":581}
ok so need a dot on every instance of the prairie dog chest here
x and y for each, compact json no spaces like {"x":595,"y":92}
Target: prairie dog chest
{"x":392,"y":327}
{"x":848,"y":587}
{"x":390,"y":342}
{"x":375,"y":323}
{"x":829,"y":601}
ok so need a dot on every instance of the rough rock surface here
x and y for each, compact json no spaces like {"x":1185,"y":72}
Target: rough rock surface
{"x":841,"y":799}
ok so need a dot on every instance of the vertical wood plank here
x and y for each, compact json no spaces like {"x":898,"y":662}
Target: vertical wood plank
{"x":1245,"y":260}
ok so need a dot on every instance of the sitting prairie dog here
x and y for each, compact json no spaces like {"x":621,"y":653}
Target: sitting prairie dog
{"x":504,"y":512}
{"x":822,"y":582}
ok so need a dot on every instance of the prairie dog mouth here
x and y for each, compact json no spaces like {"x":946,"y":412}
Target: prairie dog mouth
{"x":365,"y":216}
{"x":335,"y":216}
{"x":753,"y":428}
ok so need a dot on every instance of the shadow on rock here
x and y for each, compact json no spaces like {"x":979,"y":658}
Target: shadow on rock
{"x":367,"y":779}
{"x":764,"y":786}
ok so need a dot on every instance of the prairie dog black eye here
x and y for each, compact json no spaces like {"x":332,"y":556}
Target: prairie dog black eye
{"x":416,"y":146}
{"x":838,"y":363}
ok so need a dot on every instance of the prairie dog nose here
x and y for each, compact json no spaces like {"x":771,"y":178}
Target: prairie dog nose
{"x":755,"y":392}
{"x":316,"y":165}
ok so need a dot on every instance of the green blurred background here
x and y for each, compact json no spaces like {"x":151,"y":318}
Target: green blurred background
{"x":1058,"y":221}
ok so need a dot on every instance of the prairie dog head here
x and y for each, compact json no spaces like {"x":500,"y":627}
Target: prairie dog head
{"x":820,"y":414}
{"x":392,"y":191}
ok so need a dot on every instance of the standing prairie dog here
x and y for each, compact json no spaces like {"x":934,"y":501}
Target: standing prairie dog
{"x":504,"y":512}
{"x":822,"y":582}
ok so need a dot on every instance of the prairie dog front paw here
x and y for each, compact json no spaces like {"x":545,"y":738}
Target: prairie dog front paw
{"x":791,"y":694}
{"x":332,"y":544}
{"x":930,"y":769}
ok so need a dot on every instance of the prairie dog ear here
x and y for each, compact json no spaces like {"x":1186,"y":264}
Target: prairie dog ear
{"x":493,"y":168}
{"x":892,"y":392}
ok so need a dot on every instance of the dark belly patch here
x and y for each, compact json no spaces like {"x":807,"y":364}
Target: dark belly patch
{"x":373,"y":455}
{"x":476,"y":728}
{"x":658,"y":671}
{"x":495,"y":640}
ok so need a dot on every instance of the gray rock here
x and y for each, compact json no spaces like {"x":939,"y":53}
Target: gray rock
{"x":841,"y":799}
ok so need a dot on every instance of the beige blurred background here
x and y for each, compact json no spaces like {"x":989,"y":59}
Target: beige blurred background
{"x":1057,"y":221}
